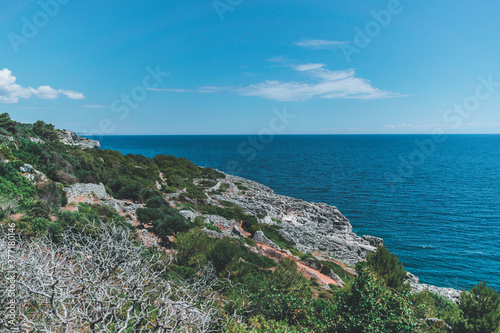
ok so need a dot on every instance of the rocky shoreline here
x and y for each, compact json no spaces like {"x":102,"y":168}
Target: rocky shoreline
{"x":312,"y":227}
{"x":316,"y":228}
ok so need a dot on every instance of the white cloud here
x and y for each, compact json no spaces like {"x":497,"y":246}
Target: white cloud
{"x":322,"y":83}
{"x":319,"y":44}
{"x":11,"y":92}
{"x":307,"y":67}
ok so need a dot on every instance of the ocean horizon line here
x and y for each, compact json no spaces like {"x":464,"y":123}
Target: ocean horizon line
{"x":300,"y":134}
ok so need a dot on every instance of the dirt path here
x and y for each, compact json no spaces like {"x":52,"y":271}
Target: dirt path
{"x":308,"y":272}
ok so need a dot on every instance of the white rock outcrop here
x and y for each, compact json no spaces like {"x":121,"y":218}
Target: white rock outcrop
{"x":71,"y":139}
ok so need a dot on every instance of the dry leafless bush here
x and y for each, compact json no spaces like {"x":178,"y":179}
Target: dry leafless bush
{"x":99,"y":284}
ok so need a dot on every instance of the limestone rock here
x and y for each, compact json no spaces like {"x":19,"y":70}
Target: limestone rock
{"x":71,"y":139}
{"x":374,"y":241}
{"x":36,"y":140}
{"x":259,"y":237}
{"x":449,"y":293}
{"x":325,"y":270}
{"x":189,"y":214}
{"x":215,"y":234}
{"x":6,"y":138}
{"x":237,"y":231}
{"x":26,"y":168}
{"x":223,"y":222}
{"x":87,"y":190}
{"x":310,"y":226}
{"x":32,"y":174}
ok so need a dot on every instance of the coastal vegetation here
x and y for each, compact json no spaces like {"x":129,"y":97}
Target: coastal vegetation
{"x":83,"y":266}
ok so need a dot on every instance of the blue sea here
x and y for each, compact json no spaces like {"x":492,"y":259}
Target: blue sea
{"x":435,"y":202}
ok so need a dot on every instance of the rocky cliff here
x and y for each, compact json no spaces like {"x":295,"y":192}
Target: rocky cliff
{"x":310,"y":226}
{"x":71,"y":139}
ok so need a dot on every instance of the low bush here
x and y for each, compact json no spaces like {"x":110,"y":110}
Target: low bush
{"x":222,"y":253}
{"x":288,"y":280}
{"x":369,"y":307}
{"x":481,"y":310}
{"x":389,"y":270}
{"x":430,"y":305}
{"x":192,"y":248}
{"x":51,"y":195}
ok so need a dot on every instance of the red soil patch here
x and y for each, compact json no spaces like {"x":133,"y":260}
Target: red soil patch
{"x":16,"y":217}
{"x":243,"y":232}
{"x":306,"y":271}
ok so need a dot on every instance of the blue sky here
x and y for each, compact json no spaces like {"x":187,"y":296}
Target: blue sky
{"x":227,"y":67}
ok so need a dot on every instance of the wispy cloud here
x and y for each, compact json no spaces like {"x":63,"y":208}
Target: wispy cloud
{"x":307,"y":67}
{"x":322,"y":83}
{"x":202,"y":90}
{"x":11,"y":92}
{"x":428,"y":127}
{"x":319,"y":44}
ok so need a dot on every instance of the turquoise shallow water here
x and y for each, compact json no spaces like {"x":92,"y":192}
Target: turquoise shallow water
{"x":438,"y":211}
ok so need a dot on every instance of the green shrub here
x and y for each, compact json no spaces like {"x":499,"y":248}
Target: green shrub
{"x":259,"y":324}
{"x":170,"y":224}
{"x":15,"y":190}
{"x":430,"y":305}
{"x":272,"y":232}
{"x":51,"y":195}
{"x":241,"y":187}
{"x":251,"y":225}
{"x":481,"y":310}
{"x":370,"y":307}
{"x":389,"y":271}
{"x":166,"y":220}
{"x":8,"y":124}
{"x":55,"y":230}
{"x":233,"y":213}
{"x":254,"y":258}
{"x":45,"y":131}
{"x":149,"y":215}
{"x":288,"y":280}
{"x":102,"y":213}
{"x":6,"y":153}
{"x":212,"y":227}
{"x":131,"y":191}
{"x":147,"y":193}
{"x":192,"y":247}
{"x":208,"y":183}
{"x":199,"y":221}
{"x":40,"y":209}
{"x":222,"y":253}
{"x":156,"y":202}
{"x":339,"y":270}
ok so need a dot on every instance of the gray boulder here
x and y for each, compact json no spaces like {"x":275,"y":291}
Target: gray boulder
{"x":259,"y":237}
{"x":374,"y":241}
{"x":87,"y":190}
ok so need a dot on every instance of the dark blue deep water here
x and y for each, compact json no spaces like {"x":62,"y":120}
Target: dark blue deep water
{"x":438,"y":211}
